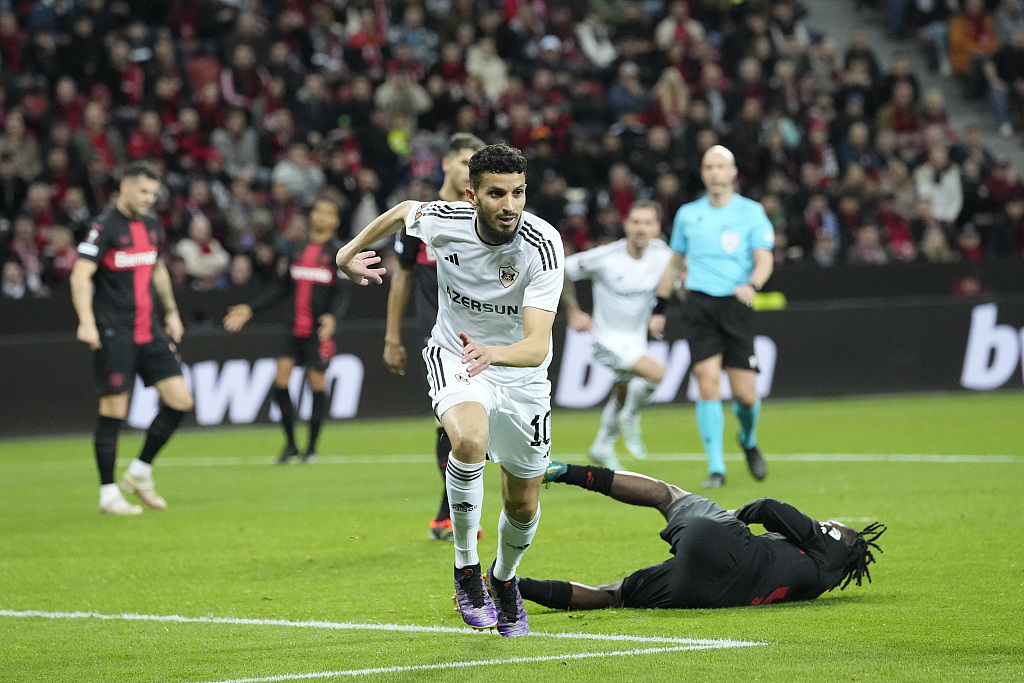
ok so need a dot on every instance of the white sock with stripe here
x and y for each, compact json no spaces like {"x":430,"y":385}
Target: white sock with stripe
{"x":465,"y":485}
{"x":513,"y":540}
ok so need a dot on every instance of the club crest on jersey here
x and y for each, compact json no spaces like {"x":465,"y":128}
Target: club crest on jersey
{"x":419,"y":211}
{"x":730,"y":242}
{"x":507,"y":274}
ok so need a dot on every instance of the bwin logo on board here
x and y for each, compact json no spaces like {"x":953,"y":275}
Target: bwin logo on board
{"x":993,"y":351}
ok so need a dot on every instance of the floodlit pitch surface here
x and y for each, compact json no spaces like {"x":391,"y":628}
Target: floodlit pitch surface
{"x":260,"y":572}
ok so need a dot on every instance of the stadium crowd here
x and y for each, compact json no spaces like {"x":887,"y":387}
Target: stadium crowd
{"x":253,"y":108}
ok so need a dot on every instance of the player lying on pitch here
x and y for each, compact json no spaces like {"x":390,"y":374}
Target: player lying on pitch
{"x":717,"y":561}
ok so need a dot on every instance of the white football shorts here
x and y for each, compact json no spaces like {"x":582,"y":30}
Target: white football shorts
{"x":519,"y":417}
{"x":619,"y":353}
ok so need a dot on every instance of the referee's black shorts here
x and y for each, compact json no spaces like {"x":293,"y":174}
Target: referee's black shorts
{"x":719,"y":324}
{"x":707,"y":544}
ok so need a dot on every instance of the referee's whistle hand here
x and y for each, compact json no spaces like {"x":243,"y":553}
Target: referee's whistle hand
{"x":745,"y":293}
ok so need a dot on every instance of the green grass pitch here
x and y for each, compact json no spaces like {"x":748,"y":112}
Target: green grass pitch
{"x":260,"y":572}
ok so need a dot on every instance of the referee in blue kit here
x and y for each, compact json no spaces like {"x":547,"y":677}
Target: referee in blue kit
{"x":725,"y":242}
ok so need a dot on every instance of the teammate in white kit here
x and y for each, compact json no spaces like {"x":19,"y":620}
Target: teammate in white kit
{"x":499,"y":275}
{"x":625,"y":275}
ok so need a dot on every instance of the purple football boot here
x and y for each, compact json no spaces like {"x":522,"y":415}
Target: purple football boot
{"x":472,"y":598}
{"x":512,"y":619}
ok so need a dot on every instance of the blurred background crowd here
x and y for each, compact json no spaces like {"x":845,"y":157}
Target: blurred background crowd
{"x":253,"y":108}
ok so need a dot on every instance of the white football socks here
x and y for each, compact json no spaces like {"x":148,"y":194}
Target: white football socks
{"x":513,"y":540}
{"x":142,"y":470}
{"x":638,"y":395}
{"x":609,"y":420}
{"x":109,"y":493}
{"x":465,"y":485}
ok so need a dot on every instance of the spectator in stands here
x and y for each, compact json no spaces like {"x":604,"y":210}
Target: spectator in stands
{"x":677,"y":26}
{"x":244,"y":81}
{"x":1007,"y":17}
{"x":932,"y":19}
{"x":931,"y":234}
{"x":13,"y":188}
{"x":25,"y":247}
{"x":422,"y":42}
{"x":1004,"y":74}
{"x":628,"y":92}
{"x":483,"y":61}
{"x":238,"y":144}
{"x":61,"y":253}
{"x":125,"y":81}
{"x":972,"y":39}
{"x":867,"y":247}
{"x":938,"y":180}
{"x":247,"y":221}
{"x":1008,"y":231}
{"x":22,"y":147}
{"x":147,"y":141}
{"x":206,"y":260}
{"x":1002,"y":182}
{"x":895,"y":229}
{"x":240,"y":273}
{"x":977,"y":206}
{"x":14,"y":284}
{"x":314,"y":113}
{"x":401,"y":96}
{"x":98,"y":138}
{"x":303,"y":178}
{"x":74,"y":213}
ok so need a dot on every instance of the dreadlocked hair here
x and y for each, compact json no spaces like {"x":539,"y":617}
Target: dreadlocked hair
{"x":860,"y":554}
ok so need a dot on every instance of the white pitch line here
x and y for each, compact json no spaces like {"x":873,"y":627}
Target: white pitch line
{"x":382,"y":459}
{"x":463,"y":665}
{"x":352,"y":626}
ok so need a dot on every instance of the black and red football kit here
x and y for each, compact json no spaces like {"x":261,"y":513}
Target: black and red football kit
{"x":412,"y":251}
{"x":310,"y":278}
{"x":718,"y":562}
{"x":125,"y":252}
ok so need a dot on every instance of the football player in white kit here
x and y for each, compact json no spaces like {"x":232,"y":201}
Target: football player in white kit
{"x":499,"y":276}
{"x":625,"y":275}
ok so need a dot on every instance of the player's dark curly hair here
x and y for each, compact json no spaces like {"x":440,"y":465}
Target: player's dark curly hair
{"x":499,"y":159}
{"x":860,"y":544}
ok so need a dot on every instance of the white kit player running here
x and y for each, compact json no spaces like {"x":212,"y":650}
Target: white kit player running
{"x":499,"y":275}
{"x":625,"y":275}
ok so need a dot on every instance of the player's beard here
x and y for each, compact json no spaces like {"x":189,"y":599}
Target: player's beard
{"x":495,"y":236}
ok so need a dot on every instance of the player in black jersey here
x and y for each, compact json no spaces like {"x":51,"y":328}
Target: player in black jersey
{"x":119,"y":323}
{"x":418,"y":272}
{"x":717,"y":561}
{"x":319,"y":296}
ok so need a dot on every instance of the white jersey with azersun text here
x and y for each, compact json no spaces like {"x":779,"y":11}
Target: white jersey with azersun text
{"x":624,"y":287}
{"x":483,"y":289}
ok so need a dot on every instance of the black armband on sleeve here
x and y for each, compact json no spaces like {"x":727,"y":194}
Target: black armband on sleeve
{"x":660,"y":305}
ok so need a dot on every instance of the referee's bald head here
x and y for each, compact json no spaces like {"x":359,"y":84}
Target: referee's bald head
{"x":721,"y":150}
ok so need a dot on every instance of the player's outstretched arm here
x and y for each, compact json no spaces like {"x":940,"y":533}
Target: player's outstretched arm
{"x":81,"y":298}
{"x":356,"y":265}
